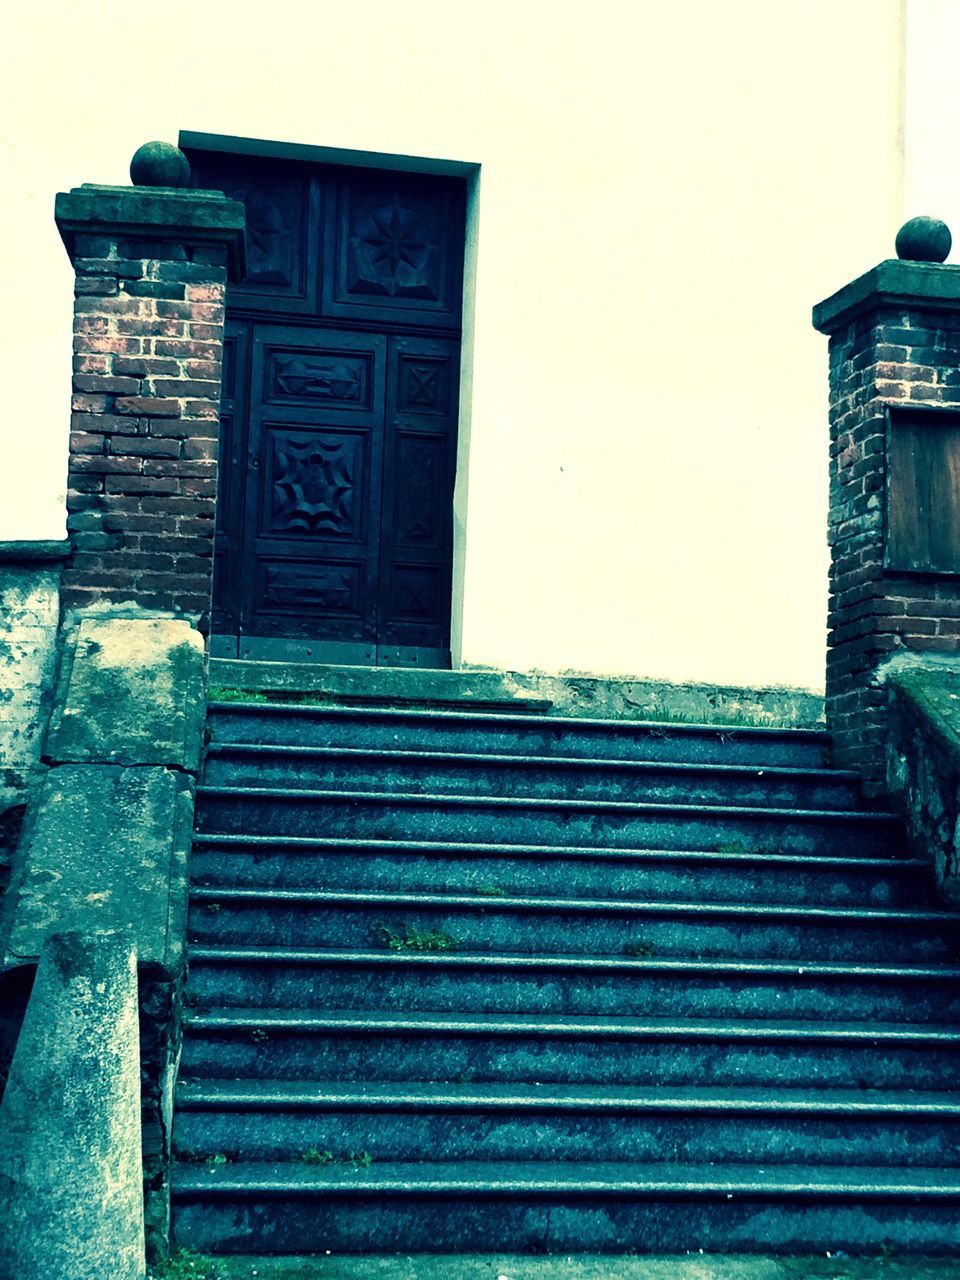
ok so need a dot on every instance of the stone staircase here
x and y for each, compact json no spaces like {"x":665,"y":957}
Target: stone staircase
{"x":462,"y":980}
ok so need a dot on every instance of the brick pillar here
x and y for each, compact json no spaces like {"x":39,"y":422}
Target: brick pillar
{"x":151,"y":265}
{"x":894,"y":518}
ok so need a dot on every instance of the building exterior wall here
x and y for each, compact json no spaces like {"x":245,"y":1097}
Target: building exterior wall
{"x":664,"y":190}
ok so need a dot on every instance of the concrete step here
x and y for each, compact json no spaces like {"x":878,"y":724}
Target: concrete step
{"x":364,"y":1045}
{"x":576,"y":694}
{"x":393,"y":982}
{"x":562,"y":1206}
{"x":320,"y":1121}
{"x":559,"y":777}
{"x":398,"y":728}
{"x":425,"y":866}
{"x":567,"y":1265}
{"x":360,"y":685}
{"x":439,"y":956}
{"x":315,"y":918}
{"x":614,"y":824}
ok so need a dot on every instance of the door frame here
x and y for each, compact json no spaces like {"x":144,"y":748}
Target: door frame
{"x":469,"y":171}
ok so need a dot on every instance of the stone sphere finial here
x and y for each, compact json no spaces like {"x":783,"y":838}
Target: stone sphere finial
{"x":159,"y":164}
{"x":924,"y":240}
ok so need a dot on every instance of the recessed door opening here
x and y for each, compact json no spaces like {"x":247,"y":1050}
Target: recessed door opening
{"x":339,"y":413}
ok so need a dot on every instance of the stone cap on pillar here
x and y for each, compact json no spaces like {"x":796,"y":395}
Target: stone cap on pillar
{"x":918,"y":277}
{"x":153,"y":211}
{"x":890,"y":284}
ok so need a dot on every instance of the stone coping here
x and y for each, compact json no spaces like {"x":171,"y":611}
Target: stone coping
{"x":71,"y":1173}
{"x":106,"y":837}
{"x":168,"y":213}
{"x":42,"y":551}
{"x":891,"y":283}
{"x":934,"y":695}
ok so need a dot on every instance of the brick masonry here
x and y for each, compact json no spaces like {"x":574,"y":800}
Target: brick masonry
{"x":894,"y":341}
{"x":142,"y":484}
{"x":147,"y":346}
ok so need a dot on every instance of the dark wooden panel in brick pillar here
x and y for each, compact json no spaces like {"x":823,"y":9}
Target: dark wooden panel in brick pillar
{"x":923,"y":492}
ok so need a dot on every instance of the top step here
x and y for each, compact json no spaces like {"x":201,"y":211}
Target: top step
{"x":530,"y":735}
{"x":339,"y":685}
{"x":608,"y":697}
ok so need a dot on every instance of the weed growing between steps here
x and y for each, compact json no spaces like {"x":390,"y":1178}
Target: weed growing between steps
{"x":638,"y":950}
{"x":355,"y":1160}
{"x":192,"y":1000}
{"x":222,"y":693}
{"x":732,"y":846}
{"x":414,"y":939}
{"x":290,"y":697}
{"x":186,"y":1155}
{"x":304,"y":698}
{"x":185,"y":1264}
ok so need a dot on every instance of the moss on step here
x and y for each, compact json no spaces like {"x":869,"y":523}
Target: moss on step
{"x":732,"y":714}
{"x":639,"y":949}
{"x":186,"y":1264}
{"x":414,"y":939}
{"x":352,"y":1159}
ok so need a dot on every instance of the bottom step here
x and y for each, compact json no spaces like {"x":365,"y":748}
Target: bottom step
{"x":695,"y":1265}
{"x":347,"y":1207}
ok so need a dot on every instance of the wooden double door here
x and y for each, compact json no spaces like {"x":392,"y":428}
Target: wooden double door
{"x":339,"y":413}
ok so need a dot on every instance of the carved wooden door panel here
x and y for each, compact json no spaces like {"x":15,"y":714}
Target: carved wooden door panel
{"x":314,"y":468}
{"x":416,"y":537}
{"x":228,"y":539}
{"x":340,"y":405}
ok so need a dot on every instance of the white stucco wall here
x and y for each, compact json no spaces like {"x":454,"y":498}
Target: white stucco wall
{"x":932,"y":112}
{"x":666,"y":189}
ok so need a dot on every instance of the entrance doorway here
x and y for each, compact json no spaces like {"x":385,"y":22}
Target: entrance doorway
{"x":339,"y":411}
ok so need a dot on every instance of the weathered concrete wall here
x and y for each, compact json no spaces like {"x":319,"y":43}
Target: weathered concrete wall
{"x":575,"y":694}
{"x":29,"y":617}
{"x":106,"y":841}
{"x":923,"y":767}
{"x":105,"y":845}
{"x":29,"y":614}
{"x":129,"y":692}
{"x":71,"y":1201}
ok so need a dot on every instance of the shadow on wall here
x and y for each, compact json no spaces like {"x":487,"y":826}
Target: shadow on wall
{"x":11,"y":822}
{"x":15,"y":987}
